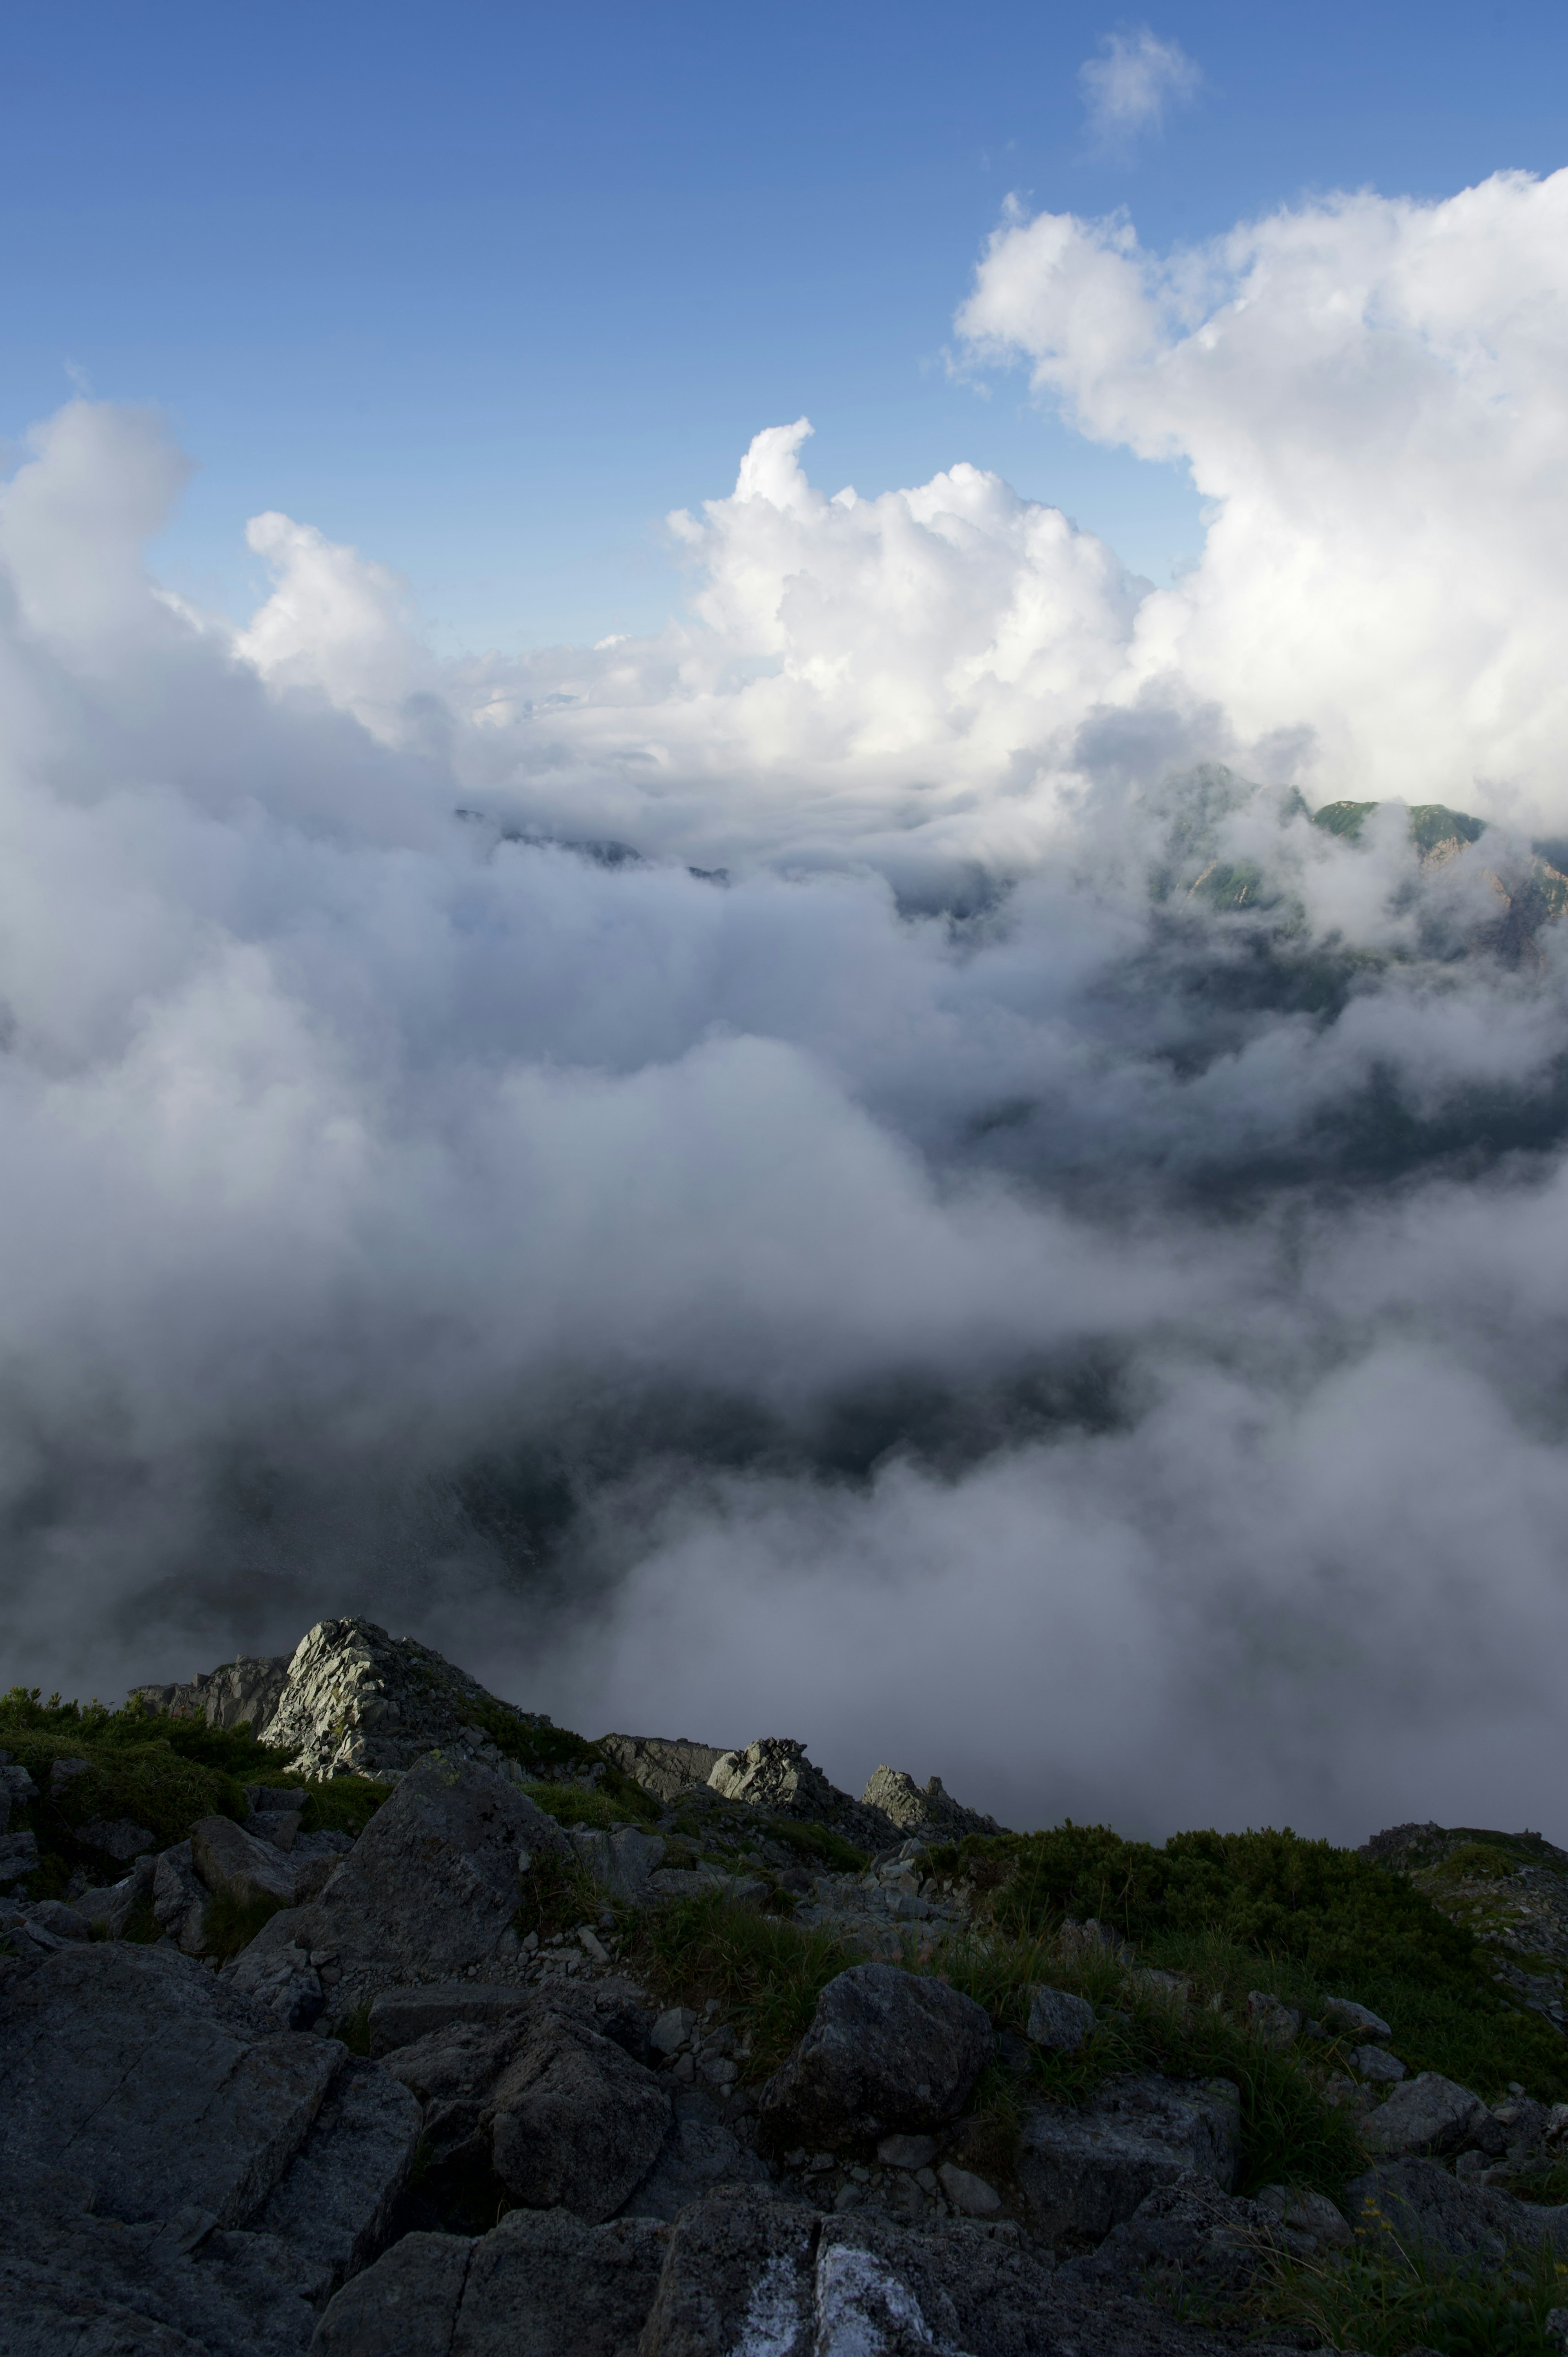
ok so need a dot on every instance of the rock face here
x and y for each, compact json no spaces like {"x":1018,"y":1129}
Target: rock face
{"x":1083,"y":2171}
{"x":666,"y":1766}
{"x":888,"y":2052}
{"x":576,"y":2124}
{"x":170,"y":2157}
{"x":350,"y":1698}
{"x":541,"y":2285}
{"x":229,"y":1859}
{"x":430,"y":1888}
{"x":922,"y":1809}
{"x":774,"y":1774}
{"x":248,"y":1689}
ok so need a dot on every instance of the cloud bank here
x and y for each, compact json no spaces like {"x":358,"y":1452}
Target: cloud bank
{"x":859,"y":1168}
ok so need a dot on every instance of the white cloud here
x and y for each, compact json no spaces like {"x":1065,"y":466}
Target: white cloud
{"x":1136,"y":76}
{"x":934,"y":1292}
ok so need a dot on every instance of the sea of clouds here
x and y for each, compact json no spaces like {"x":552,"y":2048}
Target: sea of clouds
{"x":752,"y":1181}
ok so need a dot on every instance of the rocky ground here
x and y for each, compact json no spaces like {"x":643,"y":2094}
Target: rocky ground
{"x":643,"y":2047}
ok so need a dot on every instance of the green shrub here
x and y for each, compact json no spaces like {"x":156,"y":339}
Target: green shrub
{"x":1383,"y":2299}
{"x":576,"y":1804}
{"x":556,"y":1895}
{"x":343,"y":1804}
{"x":811,"y":1840}
{"x":766,"y":1973}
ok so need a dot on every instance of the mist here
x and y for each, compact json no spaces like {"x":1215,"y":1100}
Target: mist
{"x":859,"y":1169}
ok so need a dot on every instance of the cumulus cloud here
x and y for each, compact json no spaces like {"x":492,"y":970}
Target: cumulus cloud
{"x":859,"y":1167}
{"x":1136,"y":76}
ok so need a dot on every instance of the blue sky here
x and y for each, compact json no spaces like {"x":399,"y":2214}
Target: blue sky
{"x":486,"y":291}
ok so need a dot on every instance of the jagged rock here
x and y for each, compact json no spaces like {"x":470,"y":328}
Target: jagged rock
{"x":926,"y":1810}
{"x":1059,"y":2020}
{"x":112,"y":1906}
{"x":542,"y":2283}
{"x":65,"y":1923}
{"x":118,"y":1839}
{"x":776,"y":1775}
{"x":698,"y":2158}
{"x":1312,"y":2214}
{"x":1348,"y":2020}
{"x":1429,"y":2114}
{"x":284,"y":1983}
{"x":357,"y":1699}
{"x":1082,"y":2171}
{"x":432,"y":1884}
{"x":576,"y":2124}
{"x":1372,"y":2063}
{"x":1189,"y":2237}
{"x":666,"y":1766}
{"x":231,"y":1860}
{"x":1423,"y":2206}
{"x":152,"y":2081}
{"x":180,"y":1898}
{"x":277,"y":1827}
{"x":248,"y":1688}
{"x":621,"y":1862}
{"x":888,"y":2049}
{"x":1276,"y":2023}
{"x":334,"y":2202}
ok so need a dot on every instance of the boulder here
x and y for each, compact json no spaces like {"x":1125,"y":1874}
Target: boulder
{"x":333,"y":2204}
{"x":1429,"y":2114}
{"x":922,"y":1809}
{"x":231,"y":1861}
{"x":1188,"y":2238}
{"x":143,"y":2076}
{"x":1311,"y":2214}
{"x":65,"y":1923}
{"x":432,"y":1884}
{"x":1376,"y":2065}
{"x":179,"y":1899}
{"x":1082,"y":2171}
{"x":540,"y":2284}
{"x":283,"y":1982}
{"x":698,"y":2158}
{"x":887,"y":2051}
{"x":110,"y":1909}
{"x":1425,"y":2208}
{"x":666,"y":1766}
{"x":19,"y":1857}
{"x":1348,"y":2020}
{"x":619,"y":1862}
{"x":1276,"y":2023}
{"x":575,"y":2123}
{"x":1060,"y":2022}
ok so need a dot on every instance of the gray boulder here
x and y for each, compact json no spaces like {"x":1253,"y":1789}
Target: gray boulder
{"x":887,"y":2051}
{"x":180,"y":1899}
{"x":1276,"y":2023}
{"x":619,"y":1862}
{"x":922,"y":1809}
{"x":333,"y":2204}
{"x":402,"y":2016}
{"x":431,"y":1886}
{"x":283,"y":1982}
{"x":698,"y":2158}
{"x":111,"y":1908}
{"x":118,"y":1837}
{"x":1060,"y":2022}
{"x":541,"y":2285}
{"x":1427,"y":2209}
{"x":576,"y":2124}
{"x":231,"y":1861}
{"x":19,"y":1857}
{"x":1429,"y":2114}
{"x":1082,"y":2171}
{"x":668,"y":1767}
{"x":1348,"y":2020}
{"x":1190,"y":2238}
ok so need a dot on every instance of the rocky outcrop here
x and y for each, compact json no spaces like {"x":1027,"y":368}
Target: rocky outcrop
{"x":430,"y":1888}
{"x":774,"y":1774}
{"x":245,"y":1690}
{"x":668,"y":1767}
{"x":1084,"y":2170}
{"x":174,"y":2164}
{"x":923,"y":1809}
{"x":352,"y":1699}
{"x":888,"y":2052}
